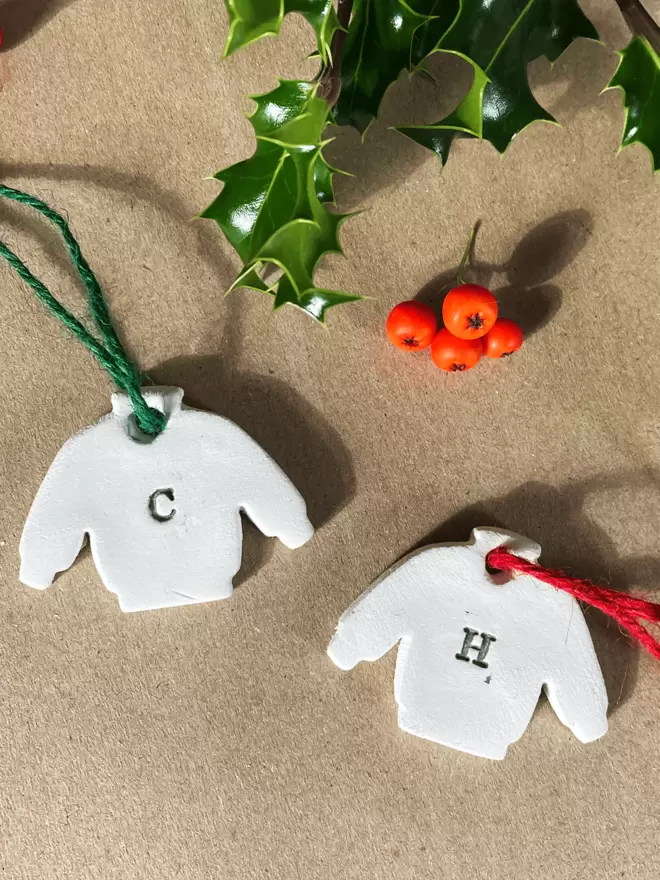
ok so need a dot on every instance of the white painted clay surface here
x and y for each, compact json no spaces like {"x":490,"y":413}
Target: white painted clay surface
{"x":163,"y":518}
{"x":441,"y":602}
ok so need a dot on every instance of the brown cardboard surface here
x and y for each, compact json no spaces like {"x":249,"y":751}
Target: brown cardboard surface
{"x":219,"y":741}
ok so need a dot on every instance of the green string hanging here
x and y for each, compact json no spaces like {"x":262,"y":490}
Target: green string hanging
{"x":108,"y":350}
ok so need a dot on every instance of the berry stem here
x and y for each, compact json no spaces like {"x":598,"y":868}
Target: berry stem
{"x":467,"y":252}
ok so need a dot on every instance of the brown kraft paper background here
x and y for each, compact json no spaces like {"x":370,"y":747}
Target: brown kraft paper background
{"x":219,"y":741}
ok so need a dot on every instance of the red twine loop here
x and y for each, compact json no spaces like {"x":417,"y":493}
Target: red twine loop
{"x":626,"y":610}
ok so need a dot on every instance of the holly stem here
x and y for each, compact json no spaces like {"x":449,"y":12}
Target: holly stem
{"x":467,"y":252}
{"x":330,"y":79}
{"x":640,"y":21}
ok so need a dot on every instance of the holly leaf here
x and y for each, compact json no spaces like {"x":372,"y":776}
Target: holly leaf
{"x":499,"y":38}
{"x":273,"y":208}
{"x":441,"y":16}
{"x":465,"y":121}
{"x":250,"y":20}
{"x":378,"y":47}
{"x":638,"y":76}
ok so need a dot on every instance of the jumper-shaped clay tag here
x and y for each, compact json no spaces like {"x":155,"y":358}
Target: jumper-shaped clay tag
{"x":163,"y":517}
{"x":475,"y":650}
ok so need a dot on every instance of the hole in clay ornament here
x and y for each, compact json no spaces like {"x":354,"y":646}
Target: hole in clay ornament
{"x":136,"y":433}
{"x":497,"y":576}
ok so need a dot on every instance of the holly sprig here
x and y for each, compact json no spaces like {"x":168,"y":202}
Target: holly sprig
{"x":499,"y":40}
{"x":276,"y":208}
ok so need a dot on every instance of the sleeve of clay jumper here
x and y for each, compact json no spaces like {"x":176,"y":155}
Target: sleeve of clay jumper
{"x":577,"y":690}
{"x":269,"y":497}
{"x":55,"y":528}
{"x":378,"y":619}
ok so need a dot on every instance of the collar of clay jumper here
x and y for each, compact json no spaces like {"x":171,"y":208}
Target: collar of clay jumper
{"x":167,"y":399}
{"x":485,"y":539}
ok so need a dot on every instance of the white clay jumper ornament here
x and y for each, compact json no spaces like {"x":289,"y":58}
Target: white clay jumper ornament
{"x":476,"y":649}
{"x":162,"y":514}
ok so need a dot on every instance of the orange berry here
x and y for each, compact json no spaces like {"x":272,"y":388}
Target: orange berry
{"x":453,"y":354}
{"x":502,"y":339}
{"x":469,"y":311}
{"x":411,"y":325}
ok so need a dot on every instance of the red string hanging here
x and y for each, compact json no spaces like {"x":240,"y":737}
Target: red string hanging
{"x":626,"y":610}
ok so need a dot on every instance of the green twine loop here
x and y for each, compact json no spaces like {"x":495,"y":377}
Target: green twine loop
{"x":108,"y":350}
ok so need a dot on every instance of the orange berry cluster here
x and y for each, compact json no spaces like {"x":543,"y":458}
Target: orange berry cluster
{"x":471,"y":329}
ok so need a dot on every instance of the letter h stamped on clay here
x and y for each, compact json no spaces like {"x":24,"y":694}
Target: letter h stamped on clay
{"x":481,"y":649}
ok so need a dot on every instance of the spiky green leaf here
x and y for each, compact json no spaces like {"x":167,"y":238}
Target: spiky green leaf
{"x":250,"y":20}
{"x":378,"y":47}
{"x":441,"y":17}
{"x":500,"y":38}
{"x":273,"y":207}
{"x":638,"y":76}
